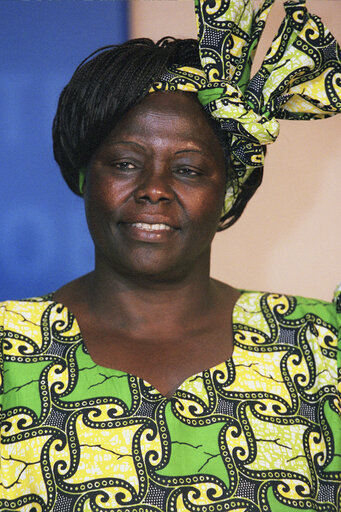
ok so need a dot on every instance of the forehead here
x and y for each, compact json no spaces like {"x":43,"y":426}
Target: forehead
{"x":170,"y":115}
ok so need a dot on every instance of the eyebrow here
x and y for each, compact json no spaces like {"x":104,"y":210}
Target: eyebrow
{"x":131,"y":143}
{"x":126,"y":143}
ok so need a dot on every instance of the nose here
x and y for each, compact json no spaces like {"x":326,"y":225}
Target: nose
{"x":154,"y":188}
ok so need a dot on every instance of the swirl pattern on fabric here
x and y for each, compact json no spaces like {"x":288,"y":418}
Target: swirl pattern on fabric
{"x":299,"y":79}
{"x":258,"y":432}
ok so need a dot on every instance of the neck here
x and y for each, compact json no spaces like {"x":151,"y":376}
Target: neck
{"x":151,"y":306}
{"x":150,"y":299}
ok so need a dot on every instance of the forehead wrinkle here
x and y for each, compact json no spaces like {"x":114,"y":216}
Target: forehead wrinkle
{"x":202,"y":145}
{"x":125,"y":143}
{"x":189,"y":151}
{"x":181,"y":137}
{"x":161,"y":124}
{"x":189,"y":145}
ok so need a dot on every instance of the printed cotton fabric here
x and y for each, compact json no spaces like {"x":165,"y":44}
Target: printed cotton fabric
{"x":258,"y":432}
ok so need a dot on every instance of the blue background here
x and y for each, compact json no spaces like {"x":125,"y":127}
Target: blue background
{"x":43,"y":234}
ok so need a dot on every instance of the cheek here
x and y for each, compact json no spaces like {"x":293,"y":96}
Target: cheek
{"x":100,"y":207}
{"x":205,"y":212}
{"x":214,"y":199}
{"x":104,"y":195}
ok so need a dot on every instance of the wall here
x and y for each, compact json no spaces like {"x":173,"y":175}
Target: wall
{"x":288,"y":239}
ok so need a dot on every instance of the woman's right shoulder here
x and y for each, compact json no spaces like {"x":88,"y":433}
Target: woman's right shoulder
{"x":20,"y":320}
{"x":17,"y":312}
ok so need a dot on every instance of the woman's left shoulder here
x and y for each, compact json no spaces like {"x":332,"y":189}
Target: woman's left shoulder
{"x":296,"y":326}
{"x":294,"y":307}
{"x":319,"y":308}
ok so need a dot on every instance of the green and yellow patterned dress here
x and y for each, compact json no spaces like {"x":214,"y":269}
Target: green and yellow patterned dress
{"x":258,"y":432}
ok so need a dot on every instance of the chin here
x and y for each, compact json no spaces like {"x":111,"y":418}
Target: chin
{"x":152,"y":269}
{"x":155,"y":264}
{"x":156,"y":273}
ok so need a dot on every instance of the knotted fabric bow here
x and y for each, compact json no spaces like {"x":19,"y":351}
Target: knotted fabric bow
{"x":300,"y":77}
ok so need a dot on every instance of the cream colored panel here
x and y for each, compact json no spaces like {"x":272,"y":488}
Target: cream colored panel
{"x":159,"y":18}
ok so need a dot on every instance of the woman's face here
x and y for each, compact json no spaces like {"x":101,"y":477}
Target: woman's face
{"x":155,"y":188}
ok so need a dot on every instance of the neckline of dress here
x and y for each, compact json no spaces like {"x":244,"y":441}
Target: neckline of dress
{"x":237,"y":304}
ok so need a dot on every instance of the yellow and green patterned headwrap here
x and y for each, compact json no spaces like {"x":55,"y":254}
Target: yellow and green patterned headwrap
{"x":300,"y":77}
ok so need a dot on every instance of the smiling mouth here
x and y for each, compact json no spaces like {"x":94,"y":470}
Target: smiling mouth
{"x":152,"y":227}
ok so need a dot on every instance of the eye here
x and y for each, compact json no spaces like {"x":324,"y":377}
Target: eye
{"x":188,"y":172}
{"x":122,"y":166}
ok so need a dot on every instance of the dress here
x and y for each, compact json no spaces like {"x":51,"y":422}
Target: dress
{"x":258,"y":432}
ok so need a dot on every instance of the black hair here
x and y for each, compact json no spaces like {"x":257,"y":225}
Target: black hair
{"x":105,"y":86}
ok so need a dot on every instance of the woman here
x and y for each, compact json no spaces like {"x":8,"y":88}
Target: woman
{"x":146,"y":385}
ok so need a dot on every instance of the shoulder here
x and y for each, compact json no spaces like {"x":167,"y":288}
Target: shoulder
{"x":301,"y":332}
{"x":30,"y":329}
{"x":289,"y":307}
{"x":23,"y":321}
{"x":16,"y":312}
{"x":278,"y":320}
{"x":20,"y":322}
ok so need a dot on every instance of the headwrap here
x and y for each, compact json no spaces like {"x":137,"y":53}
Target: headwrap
{"x":300,"y":77}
